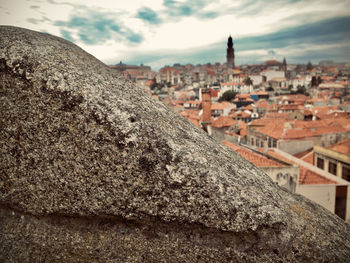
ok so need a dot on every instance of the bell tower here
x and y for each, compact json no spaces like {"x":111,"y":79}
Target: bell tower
{"x":230,"y":56}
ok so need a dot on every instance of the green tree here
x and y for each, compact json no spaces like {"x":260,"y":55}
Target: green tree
{"x":248,"y":81}
{"x":300,"y":90}
{"x":153,"y":85}
{"x":228,"y":96}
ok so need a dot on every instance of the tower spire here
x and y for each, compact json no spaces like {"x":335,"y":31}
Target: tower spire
{"x":230,"y":55}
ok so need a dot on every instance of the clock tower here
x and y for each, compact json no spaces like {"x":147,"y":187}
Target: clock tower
{"x":230,"y":53}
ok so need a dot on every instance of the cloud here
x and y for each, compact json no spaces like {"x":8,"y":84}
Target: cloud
{"x":333,"y":30}
{"x":36,"y":21}
{"x":188,"y":8}
{"x":209,"y":15}
{"x":67,"y":35}
{"x":327,"y":39}
{"x":148,"y":15}
{"x":96,"y":27}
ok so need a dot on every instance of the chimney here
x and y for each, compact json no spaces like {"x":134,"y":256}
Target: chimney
{"x":206,"y":108}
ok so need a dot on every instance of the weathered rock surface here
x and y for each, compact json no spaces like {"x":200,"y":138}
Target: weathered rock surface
{"x":95,"y":170}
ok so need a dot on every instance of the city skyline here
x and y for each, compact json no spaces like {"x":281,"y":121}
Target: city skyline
{"x":158,"y":33}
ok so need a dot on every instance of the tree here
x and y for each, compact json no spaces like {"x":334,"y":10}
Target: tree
{"x":153,"y":85}
{"x":248,"y":81}
{"x":300,"y":90}
{"x":228,"y":96}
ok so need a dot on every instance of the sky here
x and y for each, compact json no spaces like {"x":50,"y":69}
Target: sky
{"x":164,"y":32}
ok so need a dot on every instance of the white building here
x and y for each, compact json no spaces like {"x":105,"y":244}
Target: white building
{"x":267,"y":75}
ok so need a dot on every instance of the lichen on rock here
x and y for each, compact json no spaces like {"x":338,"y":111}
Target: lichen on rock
{"x":86,"y":154}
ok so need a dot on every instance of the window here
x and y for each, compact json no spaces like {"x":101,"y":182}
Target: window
{"x":340,"y":201}
{"x":257,"y":143}
{"x":262,"y":144}
{"x":274,"y":143}
{"x":252,"y":141}
{"x":332,"y":168}
{"x":346,"y":173}
{"x":269,"y":143}
{"x":320,"y":163}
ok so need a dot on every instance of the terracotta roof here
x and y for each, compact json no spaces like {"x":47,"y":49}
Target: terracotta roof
{"x":192,"y":116}
{"x":276,"y":128}
{"x":214,"y":93}
{"x":262,"y":103}
{"x":293,"y":97}
{"x":332,"y":115}
{"x":248,"y":107}
{"x":307,"y":112}
{"x":149,"y":82}
{"x":341,"y":147}
{"x":223,"y":121}
{"x":253,"y":157}
{"x":195,"y":122}
{"x":273,"y":130}
{"x":303,"y":154}
{"x":307,"y":176}
{"x":240,"y":114}
{"x":265,"y":121}
{"x":312,"y":132}
{"x":236,"y":71}
{"x":222,"y":105}
{"x":291,"y":107}
{"x":309,"y":158}
{"x":243,"y":132}
{"x":271,"y":62}
{"x":343,"y":122}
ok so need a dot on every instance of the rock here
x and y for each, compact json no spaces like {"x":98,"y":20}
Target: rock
{"x":95,"y":170}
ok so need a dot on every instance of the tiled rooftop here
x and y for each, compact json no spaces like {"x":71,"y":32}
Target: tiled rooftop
{"x":240,"y":114}
{"x":307,"y":176}
{"x":277,"y":128}
{"x":341,"y":147}
{"x":223,"y":121}
{"x":306,"y":156}
{"x":302,"y":154}
{"x":255,"y":158}
{"x":222,"y":105}
{"x":192,"y":116}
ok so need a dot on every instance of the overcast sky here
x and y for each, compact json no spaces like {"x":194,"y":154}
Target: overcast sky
{"x":164,"y":32}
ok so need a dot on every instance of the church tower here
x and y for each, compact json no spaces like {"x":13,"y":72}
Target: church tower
{"x":230,"y":54}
